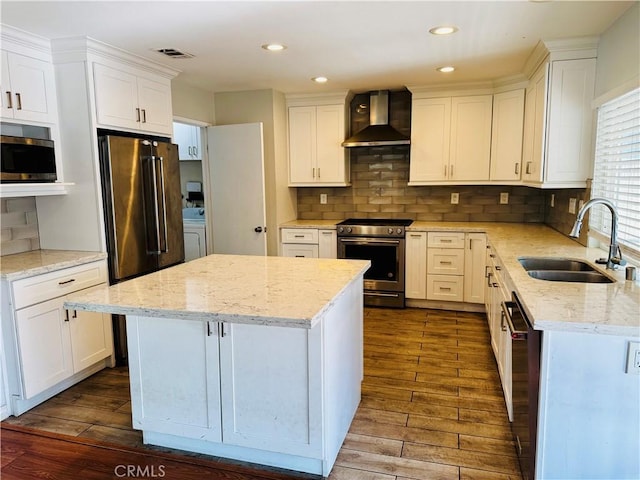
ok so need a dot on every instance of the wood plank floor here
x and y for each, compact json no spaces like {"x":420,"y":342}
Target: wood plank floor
{"x":432,"y":408}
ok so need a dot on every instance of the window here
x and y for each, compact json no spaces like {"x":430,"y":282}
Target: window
{"x":616,"y":173}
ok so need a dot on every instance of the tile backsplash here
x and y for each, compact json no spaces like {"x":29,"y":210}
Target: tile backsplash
{"x":559,"y":217}
{"x":379,"y":177}
{"x":19,"y":225}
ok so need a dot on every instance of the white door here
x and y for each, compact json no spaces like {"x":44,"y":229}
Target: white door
{"x":236,"y":182}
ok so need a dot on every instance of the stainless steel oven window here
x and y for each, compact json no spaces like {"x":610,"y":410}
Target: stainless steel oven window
{"x":386,"y":256}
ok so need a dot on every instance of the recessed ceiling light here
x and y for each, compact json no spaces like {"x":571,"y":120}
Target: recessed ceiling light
{"x":447,"y":69}
{"x":443,"y":30}
{"x":320,"y":79}
{"x":274,"y":47}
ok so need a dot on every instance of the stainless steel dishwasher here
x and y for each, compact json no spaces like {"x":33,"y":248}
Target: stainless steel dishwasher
{"x":525,"y":355}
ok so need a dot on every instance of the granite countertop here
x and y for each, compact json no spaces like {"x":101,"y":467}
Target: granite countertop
{"x":612,"y":308}
{"x":37,"y":262}
{"x":327,"y":224}
{"x":279,"y":291}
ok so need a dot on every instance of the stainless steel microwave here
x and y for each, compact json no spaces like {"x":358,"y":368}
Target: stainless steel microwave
{"x":27,"y":160}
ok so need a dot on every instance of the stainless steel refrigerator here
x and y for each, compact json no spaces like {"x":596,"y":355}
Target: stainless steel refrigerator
{"x":142,"y":211}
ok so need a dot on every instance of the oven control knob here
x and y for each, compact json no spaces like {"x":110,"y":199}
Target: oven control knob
{"x":399,"y":231}
{"x":349,"y":229}
{"x":340,"y":229}
{"x":390,"y":231}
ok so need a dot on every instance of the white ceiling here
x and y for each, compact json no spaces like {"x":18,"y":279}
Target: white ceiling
{"x":360,"y":46}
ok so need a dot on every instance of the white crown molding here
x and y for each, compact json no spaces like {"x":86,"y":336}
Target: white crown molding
{"x":16,"y":40}
{"x":74,"y":49}
{"x":561,"y":49}
{"x":326,"y":98}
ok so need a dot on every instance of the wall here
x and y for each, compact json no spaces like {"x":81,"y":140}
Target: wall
{"x":379,"y":189}
{"x":268,"y":107}
{"x":19,"y":225}
{"x":193,"y":103}
{"x":619,"y":53}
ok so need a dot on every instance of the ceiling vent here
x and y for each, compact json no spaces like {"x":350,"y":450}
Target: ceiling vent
{"x":173,"y":53}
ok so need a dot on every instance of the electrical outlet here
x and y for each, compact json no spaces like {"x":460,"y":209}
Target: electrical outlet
{"x":323,"y":198}
{"x":455,"y":198}
{"x":553,"y":199}
{"x":572,"y":205}
{"x":580,"y":204}
{"x":633,"y":358}
{"x":504,"y":198}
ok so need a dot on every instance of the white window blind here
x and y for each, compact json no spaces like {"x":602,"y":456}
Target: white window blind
{"x":616,"y":175}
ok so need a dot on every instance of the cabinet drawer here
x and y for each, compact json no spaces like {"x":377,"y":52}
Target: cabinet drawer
{"x":300,"y":235}
{"x":445,"y":287}
{"x":445,"y":239}
{"x":39,"y":288}
{"x":445,"y":261}
{"x":299,"y":250}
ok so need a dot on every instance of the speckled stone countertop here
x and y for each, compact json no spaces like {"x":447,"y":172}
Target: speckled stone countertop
{"x":607,"y":308}
{"x":37,"y":262}
{"x":280,"y":291}
{"x":328,"y":224}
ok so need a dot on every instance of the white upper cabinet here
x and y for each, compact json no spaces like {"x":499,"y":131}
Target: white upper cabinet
{"x":506,"y":136}
{"x":28,"y":89}
{"x":316,"y":133}
{"x":450,"y":139}
{"x":132,"y":101}
{"x":558,"y":124}
{"x":188,"y":139}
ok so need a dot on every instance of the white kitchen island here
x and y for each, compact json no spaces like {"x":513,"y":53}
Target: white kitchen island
{"x":245,"y":357}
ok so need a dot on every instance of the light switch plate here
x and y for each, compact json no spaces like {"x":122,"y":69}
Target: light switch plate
{"x":504,"y":198}
{"x":553,"y":199}
{"x":323,"y":198}
{"x":455,"y":198}
{"x":633,"y":358}
{"x":572,"y":205}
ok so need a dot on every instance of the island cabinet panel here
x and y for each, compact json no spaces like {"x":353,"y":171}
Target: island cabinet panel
{"x":175,"y":379}
{"x":271,"y":399}
{"x":279,"y":396}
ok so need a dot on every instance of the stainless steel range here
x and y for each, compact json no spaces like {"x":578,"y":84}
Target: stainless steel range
{"x":382,"y":241}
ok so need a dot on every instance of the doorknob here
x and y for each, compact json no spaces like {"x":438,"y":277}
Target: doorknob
{"x":257,"y":229}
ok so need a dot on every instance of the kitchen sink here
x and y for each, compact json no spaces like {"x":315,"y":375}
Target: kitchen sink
{"x":563,"y":270}
{"x":564,"y":264}
{"x":570,"y":276}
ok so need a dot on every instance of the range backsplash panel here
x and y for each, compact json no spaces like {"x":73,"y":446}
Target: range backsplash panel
{"x":379,"y":177}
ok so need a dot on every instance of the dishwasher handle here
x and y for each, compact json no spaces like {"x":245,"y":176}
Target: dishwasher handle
{"x":515,"y":334}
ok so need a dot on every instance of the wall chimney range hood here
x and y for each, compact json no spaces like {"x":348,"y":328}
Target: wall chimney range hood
{"x":378,"y":132}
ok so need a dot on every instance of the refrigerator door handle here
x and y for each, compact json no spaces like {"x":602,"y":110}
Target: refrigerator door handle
{"x":151,"y":207}
{"x":161,"y":207}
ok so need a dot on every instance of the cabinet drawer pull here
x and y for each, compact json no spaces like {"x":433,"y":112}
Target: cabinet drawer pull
{"x":517,"y":171}
{"x":195,"y":151}
{"x":451,"y":171}
{"x":189,"y":150}
{"x":498,"y":267}
{"x":445,"y":263}
{"x":144,"y":116}
{"x":66,"y":315}
{"x":445,"y":240}
{"x":9,"y":100}
{"x":318,"y":172}
{"x":298,"y":236}
{"x":299,"y":256}
{"x":19,"y":98}
{"x":137,"y":114}
{"x":327,"y":233}
{"x":415,"y":235}
{"x":313,"y":173}
{"x":222,"y":332}
{"x":67,"y":281}
{"x":528,"y":170}
{"x":445,"y":288}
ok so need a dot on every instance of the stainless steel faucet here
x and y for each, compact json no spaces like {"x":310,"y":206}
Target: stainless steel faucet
{"x":615,"y":255}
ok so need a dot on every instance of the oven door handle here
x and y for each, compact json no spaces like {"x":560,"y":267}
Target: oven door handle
{"x":368,"y":241}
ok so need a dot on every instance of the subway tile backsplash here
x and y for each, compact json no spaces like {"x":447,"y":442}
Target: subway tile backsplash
{"x":19,"y":225}
{"x":379,"y":177}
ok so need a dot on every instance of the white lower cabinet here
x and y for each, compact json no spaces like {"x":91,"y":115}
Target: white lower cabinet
{"x":309,"y":242}
{"x":445,"y":266}
{"x":416,"y":265}
{"x":497,"y":292}
{"x":280,"y":396}
{"x":195,"y":240}
{"x":49,"y":348}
